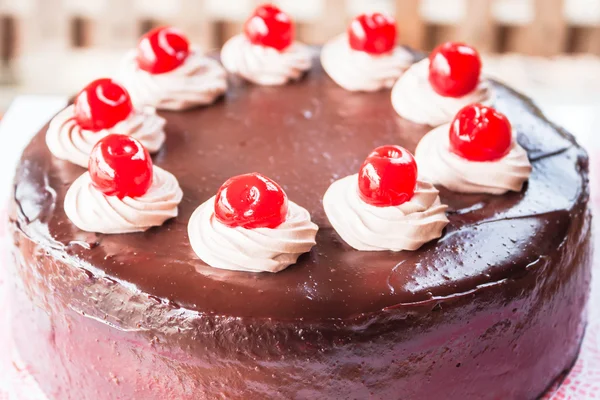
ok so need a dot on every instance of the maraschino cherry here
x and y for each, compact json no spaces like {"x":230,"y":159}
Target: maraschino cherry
{"x":120,"y":166}
{"x":480,"y":133}
{"x":454,"y":69}
{"x":162,"y":50}
{"x":101,"y":105}
{"x":251,"y":201}
{"x":269,"y":26}
{"x":388,"y":177}
{"x":372,"y":33}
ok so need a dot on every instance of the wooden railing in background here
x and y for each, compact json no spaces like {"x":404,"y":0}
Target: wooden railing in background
{"x":536,"y":27}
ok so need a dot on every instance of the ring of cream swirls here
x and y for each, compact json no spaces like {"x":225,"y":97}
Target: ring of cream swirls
{"x":359,"y":71}
{"x":441,"y":166}
{"x":250,"y":250}
{"x":68,"y":141}
{"x":265,"y":65}
{"x":414,"y":99}
{"x":200,"y":80}
{"x":369,"y":228}
{"x":90,"y":210}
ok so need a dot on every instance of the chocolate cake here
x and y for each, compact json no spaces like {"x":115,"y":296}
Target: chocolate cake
{"x":494,"y":309}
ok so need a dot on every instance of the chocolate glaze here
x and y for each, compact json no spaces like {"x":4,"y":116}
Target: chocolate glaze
{"x":508,"y":269}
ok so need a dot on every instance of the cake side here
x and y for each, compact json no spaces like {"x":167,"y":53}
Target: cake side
{"x":98,"y":336}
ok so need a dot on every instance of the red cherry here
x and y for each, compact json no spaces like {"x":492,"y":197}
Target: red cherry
{"x":372,"y":33}
{"x":162,"y":50}
{"x":120,"y":166}
{"x":271,"y":27}
{"x":101,"y":105}
{"x":388,"y":177}
{"x":251,"y":201}
{"x":454,"y":69}
{"x":480,"y":133}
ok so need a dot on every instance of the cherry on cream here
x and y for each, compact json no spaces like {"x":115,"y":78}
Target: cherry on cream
{"x":269,"y":26}
{"x":251,"y":201}
{"x":387,"y":177}
{"x":102,"y":104}
{"x":480,"y":133}
{"x":120,"y":166}
{"x":372,"y":33}
{"x":454,"y":69}
{"x":162,"y":50}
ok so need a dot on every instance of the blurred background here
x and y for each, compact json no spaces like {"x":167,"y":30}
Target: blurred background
{"x":546,"y":48}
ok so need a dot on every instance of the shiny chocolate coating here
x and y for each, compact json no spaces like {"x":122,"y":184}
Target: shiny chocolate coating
{"x":493,"y":309}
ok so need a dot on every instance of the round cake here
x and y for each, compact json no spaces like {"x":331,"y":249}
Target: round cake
{"x":495,"y":308}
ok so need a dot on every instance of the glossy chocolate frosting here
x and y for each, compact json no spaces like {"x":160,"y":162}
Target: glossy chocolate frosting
{"x":305,"y":135}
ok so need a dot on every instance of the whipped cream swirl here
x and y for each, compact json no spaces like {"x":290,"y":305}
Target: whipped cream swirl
{"x":200,"y":80}
{"x":68,"y":141}
{"x":359,"y":71}
{"x":369,"y":228}
{"x":90,"y":210}
{"x":251,"y":250}
{"x":414,"y":99}
{"x":265,"y":65}
{"x":441,"y":166}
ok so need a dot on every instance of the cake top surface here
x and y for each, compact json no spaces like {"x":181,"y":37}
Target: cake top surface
{"x":306,"y":135}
